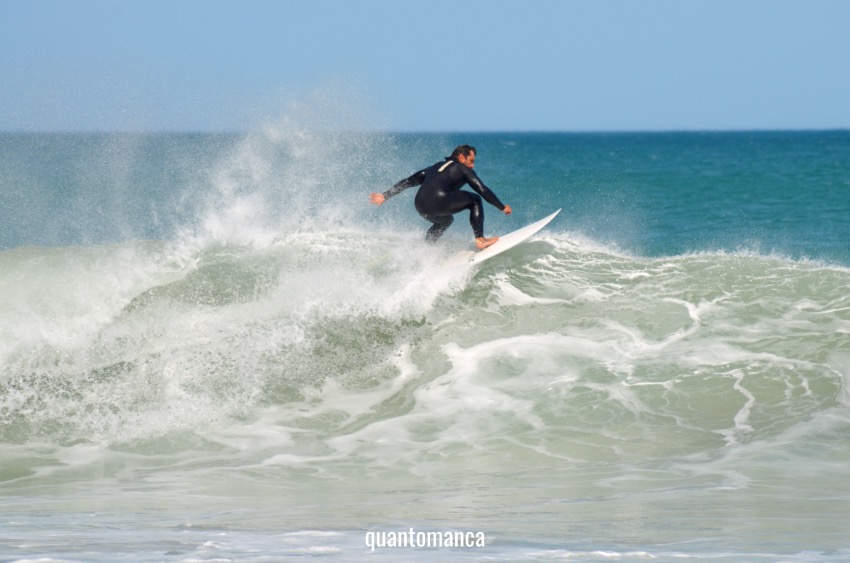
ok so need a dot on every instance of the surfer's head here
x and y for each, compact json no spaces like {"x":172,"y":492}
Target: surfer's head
{"x":465,"y":154}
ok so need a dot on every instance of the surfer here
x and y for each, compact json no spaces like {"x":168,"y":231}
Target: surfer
{"x":440,"y":195}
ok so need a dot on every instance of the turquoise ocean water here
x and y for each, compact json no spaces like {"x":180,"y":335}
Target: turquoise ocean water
{"x":212,"y":348}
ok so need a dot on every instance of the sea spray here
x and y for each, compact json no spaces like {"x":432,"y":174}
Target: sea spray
{"x":309,"y":170}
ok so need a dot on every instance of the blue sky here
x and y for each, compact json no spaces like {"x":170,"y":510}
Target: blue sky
{"x":435,"y":65}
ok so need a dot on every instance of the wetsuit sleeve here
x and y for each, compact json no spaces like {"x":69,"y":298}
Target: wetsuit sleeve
{"x":414,"y":180}
{"x":473,"y":180}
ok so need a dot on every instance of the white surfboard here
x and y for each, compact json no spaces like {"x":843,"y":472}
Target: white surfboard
{"x":505,"y":242}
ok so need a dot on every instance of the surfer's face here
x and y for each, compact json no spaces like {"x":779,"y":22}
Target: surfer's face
{"x":468,"y":161}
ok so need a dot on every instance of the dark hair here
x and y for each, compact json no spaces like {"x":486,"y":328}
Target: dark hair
{"x":463,"y":150}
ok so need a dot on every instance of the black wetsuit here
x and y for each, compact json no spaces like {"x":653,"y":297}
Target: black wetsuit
{"x":441,"y":196}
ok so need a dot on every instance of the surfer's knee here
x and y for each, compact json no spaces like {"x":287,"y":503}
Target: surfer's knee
{"x":443,"y":221}
{"x":440,"y":224}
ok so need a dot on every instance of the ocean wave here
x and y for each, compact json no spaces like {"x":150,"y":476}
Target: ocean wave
{"x":686,"y":354}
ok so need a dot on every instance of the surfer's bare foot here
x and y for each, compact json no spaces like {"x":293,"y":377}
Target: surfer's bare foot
{"x":482,"y":242}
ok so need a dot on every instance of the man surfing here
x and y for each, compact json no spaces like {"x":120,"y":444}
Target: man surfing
{"x":440,"y":195}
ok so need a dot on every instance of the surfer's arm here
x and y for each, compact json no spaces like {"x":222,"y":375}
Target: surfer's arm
{"x":410,"y":181}
{"x":475,"y":182}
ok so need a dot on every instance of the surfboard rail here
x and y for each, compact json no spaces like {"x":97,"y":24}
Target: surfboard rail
{"x":510,"y":240}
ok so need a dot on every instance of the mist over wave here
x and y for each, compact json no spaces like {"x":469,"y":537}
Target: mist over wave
{"x":275,"y":283}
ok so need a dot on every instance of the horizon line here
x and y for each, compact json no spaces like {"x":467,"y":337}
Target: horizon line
{"x":249,"y":131}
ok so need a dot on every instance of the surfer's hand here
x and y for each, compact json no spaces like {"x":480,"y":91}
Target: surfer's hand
{"x":377,"y":199}
{"x":507,"y":210}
